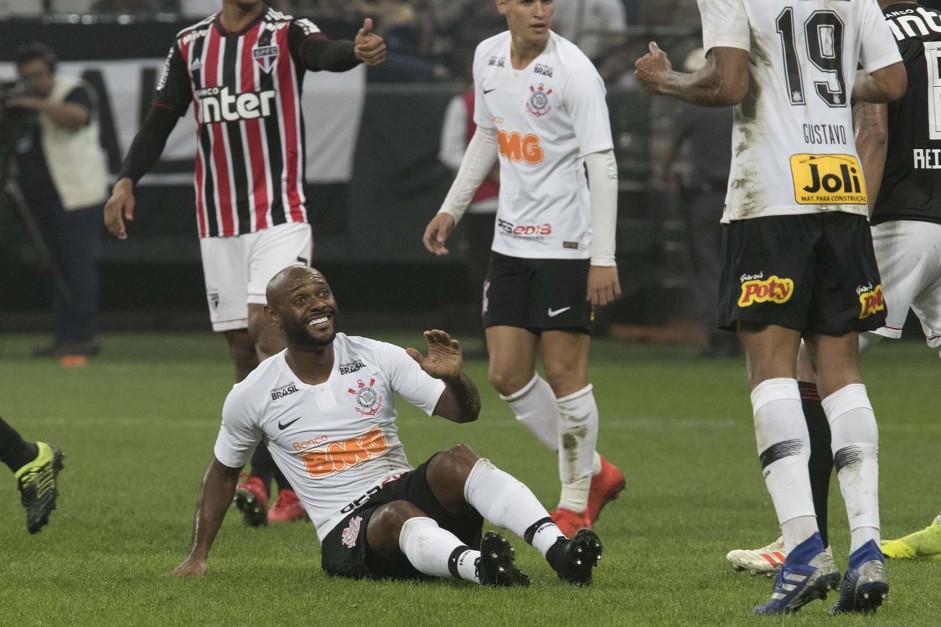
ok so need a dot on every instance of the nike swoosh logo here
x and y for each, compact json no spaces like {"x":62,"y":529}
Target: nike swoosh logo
{"x":555,"y":312}
{"x":285,"y":425}
{"x":487,"y":91}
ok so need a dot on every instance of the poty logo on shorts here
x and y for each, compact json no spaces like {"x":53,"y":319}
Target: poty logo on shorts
{"x":351,"y":533}
{"x":219,"y":105}
{"x":870,"y":300}
{"x":758,"y":290}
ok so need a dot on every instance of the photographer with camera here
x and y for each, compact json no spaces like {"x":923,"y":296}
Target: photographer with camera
{"x":60,"y":168}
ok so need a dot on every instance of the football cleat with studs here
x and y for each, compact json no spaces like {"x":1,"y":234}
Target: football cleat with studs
{"x":38,"y":485}
{"x":924,"y":544}
{"x":574,"y":559}
{"x":764,"y":561}
{"x":605,"y":487}
{"x":497,"y":565}
{"x":865,"y":585}
{"x":808,"y":573}
{"x":251,"y":498}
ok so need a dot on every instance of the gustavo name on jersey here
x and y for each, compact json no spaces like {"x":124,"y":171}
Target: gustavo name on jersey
{"x":220,"y":105}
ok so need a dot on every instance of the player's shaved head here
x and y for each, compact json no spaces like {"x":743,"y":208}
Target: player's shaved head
{"x":284,"y":281}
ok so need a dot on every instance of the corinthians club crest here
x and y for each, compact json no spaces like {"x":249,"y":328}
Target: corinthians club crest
{"x":538,"y":103}
{"x":368,"y":402}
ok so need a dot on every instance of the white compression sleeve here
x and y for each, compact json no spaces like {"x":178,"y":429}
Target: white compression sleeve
{"x":478,"y":159}
{"x":603,"y":181}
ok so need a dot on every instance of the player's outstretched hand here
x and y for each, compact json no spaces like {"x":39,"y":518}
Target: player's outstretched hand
{"x":649,"y":68}
{"x":436,"y":233}
{"x":369,"y":47}
{"x":120,"y":207}
{"x":604,"y":287}
{"x":444,"y":360}
{"x":190,"y":568}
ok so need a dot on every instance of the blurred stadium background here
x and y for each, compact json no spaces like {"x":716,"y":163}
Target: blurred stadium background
{"x":373,"y":175}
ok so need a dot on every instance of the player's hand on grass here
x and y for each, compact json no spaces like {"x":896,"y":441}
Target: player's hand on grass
{"x":120,"y":207}
{"x":444,"y":360}
{"x":190,"y":567}
{"x":604,"y":287}
{"x":369,"y":47}
{"x":436,"y":233}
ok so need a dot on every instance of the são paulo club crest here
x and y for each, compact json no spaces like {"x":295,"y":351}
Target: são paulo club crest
{"x":538,"y":103}
{"x":265,"y":57}
{"x":368,"y":401}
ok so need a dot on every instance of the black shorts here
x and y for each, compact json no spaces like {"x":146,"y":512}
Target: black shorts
{"x":344,"y":552}
{"x":537,"y":294}
{"x":812,"y":272}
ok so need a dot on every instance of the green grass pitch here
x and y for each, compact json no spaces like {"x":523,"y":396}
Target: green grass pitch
{"x":137,"y":426}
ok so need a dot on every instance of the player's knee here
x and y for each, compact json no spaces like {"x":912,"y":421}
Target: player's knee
{"x":565,"y":379}
{"x":385,"y":525}
{"x":507,"y":382}
{"x":461,"y":457}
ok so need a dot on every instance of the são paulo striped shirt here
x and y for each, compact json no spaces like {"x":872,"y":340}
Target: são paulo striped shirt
{"x":245,"y":88}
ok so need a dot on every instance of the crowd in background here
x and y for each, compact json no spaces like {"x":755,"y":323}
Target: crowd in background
{"x":428,"y":39}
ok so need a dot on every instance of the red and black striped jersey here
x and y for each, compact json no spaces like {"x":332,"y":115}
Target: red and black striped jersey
{"x":245,"y":88}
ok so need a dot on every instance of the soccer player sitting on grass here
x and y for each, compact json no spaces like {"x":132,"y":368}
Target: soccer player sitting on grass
{"x":36,"y":466}
{"x":334,"y":436}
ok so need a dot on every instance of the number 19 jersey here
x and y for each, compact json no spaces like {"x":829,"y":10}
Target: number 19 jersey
{"x":792,"y":143}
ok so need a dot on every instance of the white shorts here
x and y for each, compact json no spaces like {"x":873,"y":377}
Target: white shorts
{"x":909,"y":256}
{"x":237,"y":269}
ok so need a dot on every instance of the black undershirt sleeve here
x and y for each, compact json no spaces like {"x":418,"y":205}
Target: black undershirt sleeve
{"x":149,"y":143}
{"x":320,"y":53}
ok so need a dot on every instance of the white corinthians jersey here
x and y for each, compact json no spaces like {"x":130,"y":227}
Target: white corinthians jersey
{"x":547,"y":116}
{"x":336,"y":441}
{"x":793,"y":145}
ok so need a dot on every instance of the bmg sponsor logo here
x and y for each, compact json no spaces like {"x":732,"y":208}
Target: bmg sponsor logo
{"x":870,"y":300}
{"x":340,"y":456}
{"x":220,"y":105}
{"x":828,"y":179}
{"x":518,"y":147}
{"x":757,"y":289}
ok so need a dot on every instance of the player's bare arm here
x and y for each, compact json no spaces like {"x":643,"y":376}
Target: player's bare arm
{"x":215,"y":496}
{"x":722,"y":82}
{"x":884,"y":85}
{"x":437,"y":232}
{"x":604,"y":286}
{"x":460,"y":401}
{"x":870,"y":122}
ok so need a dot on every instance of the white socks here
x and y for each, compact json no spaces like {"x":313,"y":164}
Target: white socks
{"x":536,"y":409}
{"x":855,"y":443}
{"x":506,"y":502}
{"x":437,"y":552}
{"x":568,"y":425}
{"x":784,"y":450}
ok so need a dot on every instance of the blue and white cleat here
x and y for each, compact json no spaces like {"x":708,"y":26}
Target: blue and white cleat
{"x":807,"y":574}
{"x":865,"y":585}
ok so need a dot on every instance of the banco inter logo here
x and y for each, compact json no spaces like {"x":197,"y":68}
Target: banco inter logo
{"x":828,"y":179}
{"x":220,"y":105}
